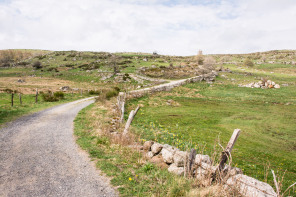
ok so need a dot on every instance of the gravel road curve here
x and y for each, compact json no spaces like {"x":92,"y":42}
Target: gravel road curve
{"x":39,"y":157}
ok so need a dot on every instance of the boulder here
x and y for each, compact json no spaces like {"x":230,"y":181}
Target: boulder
{"x":199,"y":158}
{"x":65,"y":88}
{"x":158,"y":160}
{"x":168,"y":153}
{"x":277,"y":86}
{"x":256,"y":85}
{"x":147,"y":145}
{"x":20,"y":81}
{"x":156,"y":148}
{"x":249,"y":186}
{"x":149,"y":154}
{"x":234,"y":171}
{"x":208,"y":167}
{"x":179,"y":158}
{"x":176,"y":170}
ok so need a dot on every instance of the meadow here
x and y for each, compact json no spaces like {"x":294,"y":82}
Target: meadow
{"x":200,"y":114}
{"x":28,"y":106}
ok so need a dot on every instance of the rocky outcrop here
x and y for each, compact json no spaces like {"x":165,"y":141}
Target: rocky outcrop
{"x":262,"y":84}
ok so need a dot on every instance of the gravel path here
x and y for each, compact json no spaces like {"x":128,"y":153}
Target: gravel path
{"x":39,"y":157}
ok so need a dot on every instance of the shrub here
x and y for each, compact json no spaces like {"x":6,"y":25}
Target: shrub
{"x":40,"y":57}
{"x":52,"y":69}
{"x":125,"y":77}
{"x":37,"y":65}
{"x":49,"y":97}
{"x":209,"y":62}
{"x":111,"y":93}
{"x":94,"y":92}
{"x":52,"y":97}
{"x":248,"y":63}
{"x":59,"y":95}
{"x":5,"y":64}
{"x":23,"y":63}
{"x":9,"y":91}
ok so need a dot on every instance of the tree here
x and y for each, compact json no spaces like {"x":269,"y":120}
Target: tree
{"x":114,"y":60}
{"x":209,"y":62}
{"x":199,"y":58}
{"x":37,"y":65}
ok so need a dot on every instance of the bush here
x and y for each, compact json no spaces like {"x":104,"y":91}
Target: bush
{"x":52,"y":97}
{"x":49,"y":97}
{"x":93,"y":92}
{"x":9,"y":91}
{"x":23,"y":63}
{"x":59,"y":95}
{"x":37,"y":65}
{"x":41,"y":57}
{"x":248,"y":63}
{"x":125,"y":77}
{"x":111,"y":93}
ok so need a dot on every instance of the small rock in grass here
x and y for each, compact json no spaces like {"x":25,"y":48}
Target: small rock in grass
{"x":277,"y":86}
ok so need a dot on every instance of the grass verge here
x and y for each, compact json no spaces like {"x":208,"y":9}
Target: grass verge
{"x":130,"y":173}
{"x":9,"y":113}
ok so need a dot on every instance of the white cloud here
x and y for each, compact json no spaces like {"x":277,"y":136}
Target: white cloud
{"x":168,"y":27}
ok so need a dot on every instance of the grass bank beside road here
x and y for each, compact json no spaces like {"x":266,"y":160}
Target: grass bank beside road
{"x":128,"y":170}
{"x":9,"y":113}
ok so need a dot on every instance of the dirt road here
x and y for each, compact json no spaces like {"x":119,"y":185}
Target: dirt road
{"x":39,"y":157}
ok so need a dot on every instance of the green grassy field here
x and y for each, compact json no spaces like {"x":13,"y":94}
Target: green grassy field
{"x":207,"y":112}
{"x":9,"y":113}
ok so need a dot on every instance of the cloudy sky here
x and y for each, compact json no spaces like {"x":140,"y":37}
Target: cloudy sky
{"x":173,"y":27}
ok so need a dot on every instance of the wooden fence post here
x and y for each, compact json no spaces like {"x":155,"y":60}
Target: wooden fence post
{"x":190,"y":162}
{"x":226,"y":153}
{"x":36,"y":97}
{"x":122,"y":112}
{"x":12,"y":94}
{"x":130,"y":119}
{"x":20,"y":95}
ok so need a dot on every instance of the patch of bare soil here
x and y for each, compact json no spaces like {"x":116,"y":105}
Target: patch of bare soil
{"x":28,"y":85}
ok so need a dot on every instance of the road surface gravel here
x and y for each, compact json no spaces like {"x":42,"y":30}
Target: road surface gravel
{"x":39,"y":157}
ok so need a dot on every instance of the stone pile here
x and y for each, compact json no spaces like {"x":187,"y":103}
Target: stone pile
{"x":175,"y":160}
{"x":262,"y":84}
{"x":65,"y":88}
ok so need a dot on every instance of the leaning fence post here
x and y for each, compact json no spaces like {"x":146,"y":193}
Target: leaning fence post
{"x":226,"y":153}
{"x":130,"y":119}
{"x":12,"y":94}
